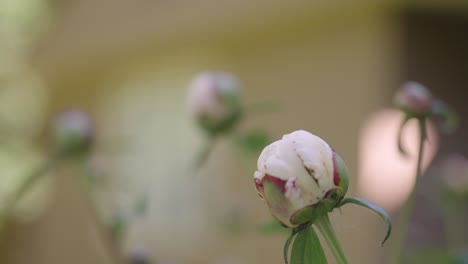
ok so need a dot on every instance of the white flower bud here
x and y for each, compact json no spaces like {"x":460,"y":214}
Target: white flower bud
{"x":214,"y":100}
{"x":72,"y":131}
{"x":300,"y":171}
{"x":414,"y":99}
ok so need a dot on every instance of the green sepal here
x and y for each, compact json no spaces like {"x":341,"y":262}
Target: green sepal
{"x":310,"y":213}
{"x":279,"y":206}
{"x":372,"y":206}
{"x":307,"y":248}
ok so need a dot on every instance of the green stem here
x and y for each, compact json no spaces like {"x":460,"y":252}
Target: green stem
{"x":405,"y":215}
{"x":111,"y":244}
{"x":204,"y":154}
{"x":325,"y":227}
{"x":25,"y":186}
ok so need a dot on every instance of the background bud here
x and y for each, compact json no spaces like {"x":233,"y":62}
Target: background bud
{"x":72,"y":131}
{"x":300,"y":177}
{"x":414,"y":99}
{"x":139,"y":255}
{"x":214,"y":100}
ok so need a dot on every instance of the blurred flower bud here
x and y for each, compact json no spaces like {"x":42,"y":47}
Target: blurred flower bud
{"x":454,"y":171}
{"x":139,"y":255}
{"x":414,"y":99}
{"x":445,"y":116}
{"x":72,"y":132}
{"x":300,"y":177}
{"x":214,"y":101}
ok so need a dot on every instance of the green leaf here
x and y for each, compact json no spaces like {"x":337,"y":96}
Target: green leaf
{"x":253,"y":141}
{"x":372,"y":206}
{"x":307,"y":248}
{"x":287,"y":244}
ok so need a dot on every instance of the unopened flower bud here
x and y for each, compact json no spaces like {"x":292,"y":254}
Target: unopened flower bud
{"x":72,"y":132}
{"x":414,"y":99}
{"x":214,"y":101}
{"x":300,"y":177}
{"x":139,"y":255}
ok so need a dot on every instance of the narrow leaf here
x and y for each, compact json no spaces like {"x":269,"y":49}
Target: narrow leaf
{"x":307,"y":248}
{"x":372,"y":206}
{"x":287,"y":244}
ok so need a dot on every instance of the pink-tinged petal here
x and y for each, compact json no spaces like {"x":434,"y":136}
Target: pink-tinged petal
{"x":259,"y":187}
{"x":281,"y":184}
{"x":336,"y":176}
{"x":293,"y":193}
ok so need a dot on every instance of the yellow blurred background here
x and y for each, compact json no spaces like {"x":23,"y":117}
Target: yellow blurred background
{"x":328,"y":64}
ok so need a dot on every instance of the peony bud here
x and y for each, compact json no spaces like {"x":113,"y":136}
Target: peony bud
{"x":414,"y":99}
{"x":300,"y":177}
{"x":214,"y":100}
{"x":72,"y":132}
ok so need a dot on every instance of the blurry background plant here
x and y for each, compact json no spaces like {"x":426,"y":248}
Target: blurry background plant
{"x":26,"y":183}
{"x":128,"y":63}
{"x":416,"y":102}
{"x":23,"y":96}
{"x":215,"y":103}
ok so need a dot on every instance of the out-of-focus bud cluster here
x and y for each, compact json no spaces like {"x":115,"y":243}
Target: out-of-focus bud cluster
{"x":214,"y":101}
{"x":72,"y":132}
{"x":415,"y":100}
{"x":300,"y":177}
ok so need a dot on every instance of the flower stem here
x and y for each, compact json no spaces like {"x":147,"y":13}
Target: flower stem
{"x":405,"y":215}
{"x":325,"y":227}
{"x":25,"y":186}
